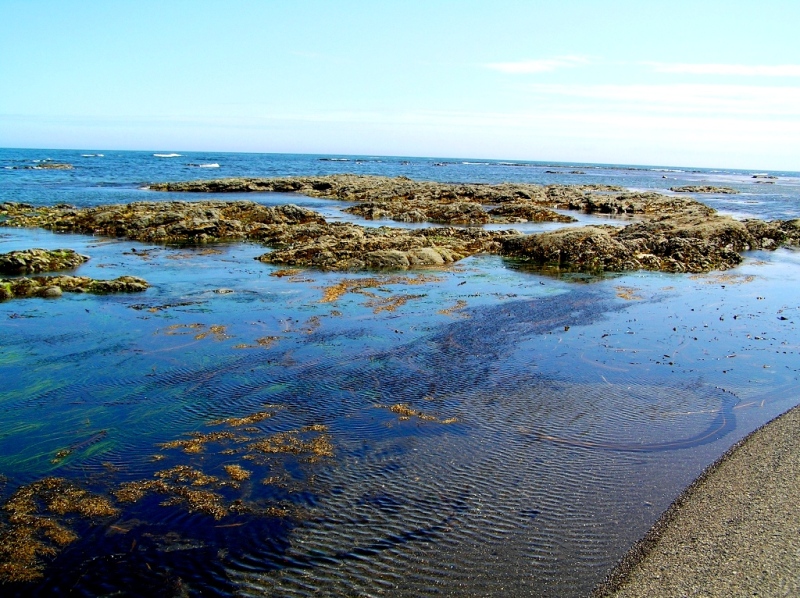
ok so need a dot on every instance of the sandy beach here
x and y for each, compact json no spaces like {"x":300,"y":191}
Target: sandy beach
{"x":734,"y":532}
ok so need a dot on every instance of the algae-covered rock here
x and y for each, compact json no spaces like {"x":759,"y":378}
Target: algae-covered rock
{"x":773,"y":234}
{"x":672,"y":233}
{"x":376,"y":191}
{"x":458,"y":212}
{"x":342,"y":246}
{"x":584,"y":248}
{"x":691,"y":243}
{"x":40,"y":260}
{"x":162,"y":222}
{"x":54,"y":286}
{"x":523,"y":212}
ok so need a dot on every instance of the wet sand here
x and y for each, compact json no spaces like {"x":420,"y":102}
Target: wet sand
{"x":734,"y":532}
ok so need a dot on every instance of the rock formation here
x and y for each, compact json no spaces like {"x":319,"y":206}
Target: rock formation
{"x":670,"y":233}
{"x":39,"y":260}
{"x":54,"y":286}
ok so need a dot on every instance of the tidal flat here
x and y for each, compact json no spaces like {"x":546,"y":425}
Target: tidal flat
{"x":252,"y":428}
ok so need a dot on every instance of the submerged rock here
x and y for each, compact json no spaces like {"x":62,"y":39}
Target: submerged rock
{"x":54,"y":286}
{"x":40,"y":260}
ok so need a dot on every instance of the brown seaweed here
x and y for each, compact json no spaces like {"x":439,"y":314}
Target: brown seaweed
{"x":36,"y":525}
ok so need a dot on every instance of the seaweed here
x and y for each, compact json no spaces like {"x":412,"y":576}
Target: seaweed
{"x":405,"y":412}
{"x":36,"y":526}
{"x":189,"y":486}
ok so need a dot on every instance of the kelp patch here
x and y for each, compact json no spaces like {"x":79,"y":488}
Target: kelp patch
{"x":216,"y":481}
{"x":37,"y":525}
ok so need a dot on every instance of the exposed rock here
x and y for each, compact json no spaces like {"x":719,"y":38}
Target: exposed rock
{"x":456,"y":212}
{"x":524,"y":212}
{"x":404,"y":199}
{"x":341,"y":246}
{"x":45,"y":166}
{"x":772,"y":234}
{"x":52,"y":292}
{"x":53,"y":286}
{"x":673,"y":234}
{"x":39,"y":260}
{"x":52,"y":166}
{"x":196,"y":222}
{"x":684,"y":244}
{"x":350,"y":187}
{"x":704,"y":189}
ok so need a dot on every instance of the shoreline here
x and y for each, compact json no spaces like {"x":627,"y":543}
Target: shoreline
{"x":708,"y":542}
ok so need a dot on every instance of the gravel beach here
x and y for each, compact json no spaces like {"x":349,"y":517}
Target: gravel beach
{"x":734,"y":532}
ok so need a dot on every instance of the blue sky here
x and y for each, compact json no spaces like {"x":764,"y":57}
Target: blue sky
{"x":672,"y":83}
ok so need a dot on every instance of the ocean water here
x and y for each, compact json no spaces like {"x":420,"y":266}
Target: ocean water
{"x":473,"y":430}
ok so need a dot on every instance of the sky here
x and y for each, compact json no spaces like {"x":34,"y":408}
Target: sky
{"x":701,"y":83}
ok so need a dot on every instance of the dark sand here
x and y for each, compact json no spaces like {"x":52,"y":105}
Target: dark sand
{"x":734,"y":532}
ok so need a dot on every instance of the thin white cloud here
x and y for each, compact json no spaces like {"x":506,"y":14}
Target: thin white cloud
{"x":542,"y":65}
{"x":711,"y":100}
{"x":740,"y":70}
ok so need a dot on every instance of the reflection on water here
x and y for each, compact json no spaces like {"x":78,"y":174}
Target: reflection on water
{"x":264,"y":431}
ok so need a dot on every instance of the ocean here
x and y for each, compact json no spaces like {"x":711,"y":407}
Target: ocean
{"x":478,"y":429}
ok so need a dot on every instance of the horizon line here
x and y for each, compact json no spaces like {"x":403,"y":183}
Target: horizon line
{"x":500,"y":161}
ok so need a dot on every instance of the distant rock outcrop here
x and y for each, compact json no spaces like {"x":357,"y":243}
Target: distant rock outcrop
{"x":704,"y":189}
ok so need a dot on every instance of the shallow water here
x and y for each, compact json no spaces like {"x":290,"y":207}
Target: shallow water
{"x":556,"y":417}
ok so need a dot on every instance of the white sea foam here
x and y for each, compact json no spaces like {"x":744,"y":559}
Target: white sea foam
{"x":91,"y":155}
{"x":167,"y":155}
{"x":214,"y":165}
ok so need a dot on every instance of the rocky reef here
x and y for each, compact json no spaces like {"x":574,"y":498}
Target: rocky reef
{"x":683,"y":244}
{"x":301,"y":237}
{"x":403,"y":195}
{"x":704,"y":189}
{"x":341,"y":246}
{"x":45,"y":166}
{"x":54,"y":286}
{"x":669,"y":233}
{"x":162,"y":222}
{"x":40,"y":260}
